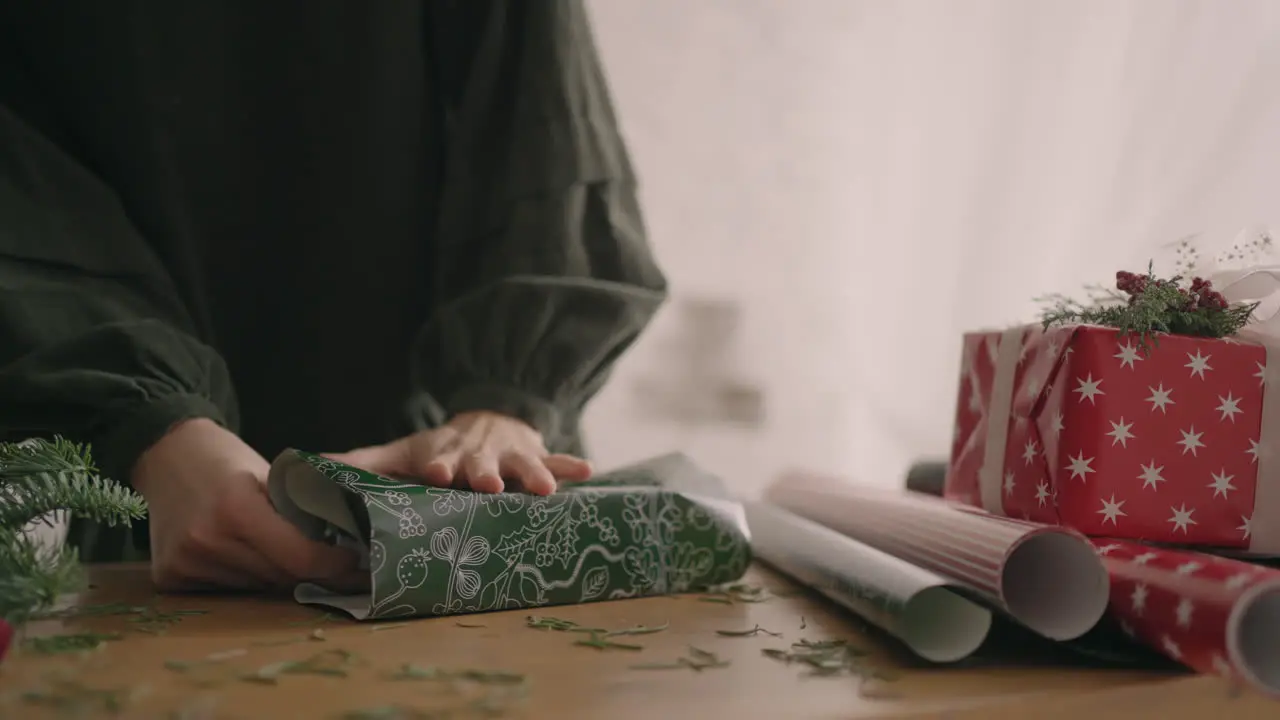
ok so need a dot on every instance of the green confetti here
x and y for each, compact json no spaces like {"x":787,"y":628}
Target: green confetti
{"x":748,"y":633}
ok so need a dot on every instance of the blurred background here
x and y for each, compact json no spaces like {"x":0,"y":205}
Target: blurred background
{"x":838,"y":189}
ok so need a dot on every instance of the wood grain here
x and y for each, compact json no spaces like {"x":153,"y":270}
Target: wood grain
{"x":566,"y":681}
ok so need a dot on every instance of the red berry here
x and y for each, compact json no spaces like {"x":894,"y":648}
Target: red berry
{"x":6,"y":635}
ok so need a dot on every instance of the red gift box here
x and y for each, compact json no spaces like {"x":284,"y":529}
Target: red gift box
{"x":1082,"y":426}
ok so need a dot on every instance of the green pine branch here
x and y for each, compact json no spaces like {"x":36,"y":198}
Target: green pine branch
{"x":38,"y":477}
{"x":1147,"y":306}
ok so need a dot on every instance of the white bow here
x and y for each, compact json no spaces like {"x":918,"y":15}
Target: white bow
{"x":1242,"y":274}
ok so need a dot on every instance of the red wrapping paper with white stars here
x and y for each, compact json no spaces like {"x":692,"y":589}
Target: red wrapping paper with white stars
{"x":1160,"y":443}
{"x":1209,"y":613}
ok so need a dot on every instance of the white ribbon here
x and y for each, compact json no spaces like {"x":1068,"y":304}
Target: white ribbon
{"x":991,"y":475}
{"x":1261,"y":284}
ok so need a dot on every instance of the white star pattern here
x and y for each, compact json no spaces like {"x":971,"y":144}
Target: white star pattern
{"x":1111,"y":510}
{"x":1120,"y":434}
{"x":1108,"y":549}
{"x":1190,"y":441}
{"x":1126,"y":628}
{"x":1033,"y":389}
{"x":1042,"y":493}
{"x":1079,"y":466}
{"x":1246,"y":526}
{"x":1088,"y":389}
{"x":1181,"y":518}
{"x":1008,"y":483}
{"x":1144,"y":558}
{"x":1222,"y":483}
{"x":1261,"y":374}
{"x":1054,"y":347}
{"x":1160,"y":398}
{"x":1229,"y":408}
{"x":1139,"y":598}
{"x":1127,"y":356}
{"x":1171,"y":648}
{"x":1237,"y":581}
{"x":1151,"y":475}
{"x":1183,"y":613}
{"x":1029,"y":452}
{"x":1199,"y":364}
{"x":1056,"y":426}
{"x":1188,"y":568}
{"x":1253,"y":450}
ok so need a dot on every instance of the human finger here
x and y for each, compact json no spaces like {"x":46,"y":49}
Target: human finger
{"x":440,"y":470}
{"x":533,"y":475}
{"x":568,"y":467}
{"x":240,"y":555}
{"x":389,"y":459}
{"x":482,"y":473}
{"x":286,"y":547}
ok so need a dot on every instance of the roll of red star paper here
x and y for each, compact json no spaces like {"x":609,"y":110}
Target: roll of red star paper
{"x":1212,"y":614}
{"x":1047,"y":578}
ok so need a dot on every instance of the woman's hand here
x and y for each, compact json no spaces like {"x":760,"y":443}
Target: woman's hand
{"x":212,"y":525}
{"x":480,"y":451}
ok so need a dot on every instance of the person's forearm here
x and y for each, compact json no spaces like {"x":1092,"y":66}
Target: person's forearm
{"x":530,"y":323}
{"x":94,"y":344}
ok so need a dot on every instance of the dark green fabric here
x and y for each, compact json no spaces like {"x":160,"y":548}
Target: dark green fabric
{"x":320,"y":223}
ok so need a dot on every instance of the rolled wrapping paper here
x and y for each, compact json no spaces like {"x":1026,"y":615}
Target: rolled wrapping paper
{"x":914,"y":605}
{"x":1212,"y":614}
{"x":1047,"y":578}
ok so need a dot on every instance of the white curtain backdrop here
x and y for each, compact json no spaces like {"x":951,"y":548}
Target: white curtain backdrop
{"x":869,"y":178}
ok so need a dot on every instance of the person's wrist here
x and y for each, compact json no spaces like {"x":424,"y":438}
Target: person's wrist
{"x":150,"y":463}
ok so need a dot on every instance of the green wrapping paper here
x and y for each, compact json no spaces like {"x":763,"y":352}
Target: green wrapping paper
{"x":656,"y":527}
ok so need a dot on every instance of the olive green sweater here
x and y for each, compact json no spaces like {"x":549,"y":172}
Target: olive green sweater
{"x":320,"y":223}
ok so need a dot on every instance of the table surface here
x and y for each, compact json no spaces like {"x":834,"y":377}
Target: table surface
{"x":225,"y":639}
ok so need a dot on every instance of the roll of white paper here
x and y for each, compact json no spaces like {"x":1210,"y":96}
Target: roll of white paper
{"x":914,"y":605}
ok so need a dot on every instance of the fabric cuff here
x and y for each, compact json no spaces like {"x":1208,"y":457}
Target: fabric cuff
{"x":540,"y":414}
{"x":131,"y":432}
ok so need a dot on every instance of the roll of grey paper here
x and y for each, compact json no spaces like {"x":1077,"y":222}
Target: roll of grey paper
{"x":914,"y":605}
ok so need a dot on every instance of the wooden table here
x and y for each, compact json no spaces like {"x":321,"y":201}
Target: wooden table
{"x":564,"y":681}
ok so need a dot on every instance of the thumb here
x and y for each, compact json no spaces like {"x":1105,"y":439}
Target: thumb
{"x":390,"y":459}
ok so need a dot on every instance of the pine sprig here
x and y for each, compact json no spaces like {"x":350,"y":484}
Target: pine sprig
{"x":1148,"y":306}
{"x":38,"y":477}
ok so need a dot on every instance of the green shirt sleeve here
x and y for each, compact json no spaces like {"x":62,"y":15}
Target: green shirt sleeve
{"x":95,"y":344}
{"x":545,"y":276}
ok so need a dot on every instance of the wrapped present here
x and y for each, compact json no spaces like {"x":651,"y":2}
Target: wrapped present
{"x":1212,"y":614}
{"x":1135,"y":434}
{"x":660,"y":526}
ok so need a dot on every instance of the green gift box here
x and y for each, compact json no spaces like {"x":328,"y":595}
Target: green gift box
{"x":657,"y":527}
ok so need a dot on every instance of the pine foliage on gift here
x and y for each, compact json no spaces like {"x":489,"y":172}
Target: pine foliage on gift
{"x":38,"y":477}
{"x":1147,"y":306}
